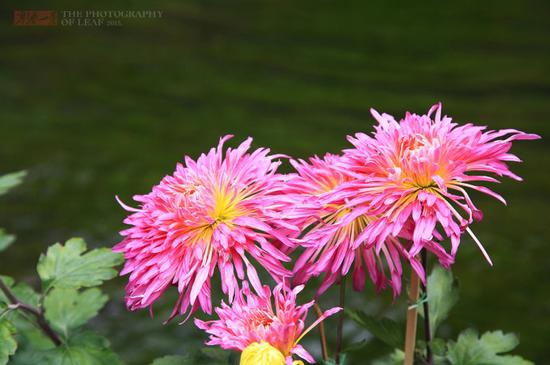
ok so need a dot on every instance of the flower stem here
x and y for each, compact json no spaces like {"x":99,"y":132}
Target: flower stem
{"x":36,"y":312}
{"x":412,"y":316}
{"x":427,"y":329}
{"x":340,"y":329}
{"x":322,"y":333}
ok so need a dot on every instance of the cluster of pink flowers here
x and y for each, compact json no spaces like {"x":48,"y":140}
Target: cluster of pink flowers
{"x":396,"y":192}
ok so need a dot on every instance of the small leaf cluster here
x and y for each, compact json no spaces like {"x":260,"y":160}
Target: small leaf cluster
{"x":49,"y":327}
{"x":68,"y":300}
{"x":469,"y":348}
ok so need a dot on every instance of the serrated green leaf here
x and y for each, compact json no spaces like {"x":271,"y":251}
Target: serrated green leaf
{"x":67,"y":267}
{"x":11,"y":180}
{"x":469,"y":349}
{"x":173,"y":360}
{"x":68,"y":309}
{"x":84,"y":349}
{"x":5,"y":239}
{"x":8,"y":345}
{"x":385,"y":329}
{"x":442,"y":296}
{"x":498,"y":342}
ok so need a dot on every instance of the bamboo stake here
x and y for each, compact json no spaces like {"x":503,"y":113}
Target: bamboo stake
{"x":427,"y":329}
{"x":412,"y":316}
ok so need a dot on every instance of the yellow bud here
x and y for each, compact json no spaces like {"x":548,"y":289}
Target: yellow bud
{"x":261,"y":354}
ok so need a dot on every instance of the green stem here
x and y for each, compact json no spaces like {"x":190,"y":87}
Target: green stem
{"x":340,"y":329}
{"x":412,"y":316}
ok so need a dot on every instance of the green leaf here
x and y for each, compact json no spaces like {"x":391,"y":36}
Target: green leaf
{"x":26,"y":294}
{"x":25,"y":324}
{"x":385,"y":329}
{"x":9,"y":181}
{"x":469,"y":349}
{"x":333,"y":362}
{"x":206,"y":356}
{"x":356,"y":346}
{"x":499,"y":342}
{"x":442,"y":296}
{"x":173,"y":360}
{"x":67,"y":309}
{"x":216,"y":354}
{"x":9,"y":283}
{"x":8,"y":345}
{"x":67,"y":266}
{"x":397,"y":357}
{"x":439,"y":347}
{"x":28,"y":332}
{"x":84,"y":349}
{"x":31,"y":334}
{"x":25,"y":354}
{"x":5,"y":239}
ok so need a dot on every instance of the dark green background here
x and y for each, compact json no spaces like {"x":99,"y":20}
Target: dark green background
{"x":94,"y":112}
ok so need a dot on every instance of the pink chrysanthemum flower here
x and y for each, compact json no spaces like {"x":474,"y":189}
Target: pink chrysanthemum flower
{"x":216,"y":212}
{"x":333,"y":241}
{"x":265,"y":335}
{"x":414,"y":175}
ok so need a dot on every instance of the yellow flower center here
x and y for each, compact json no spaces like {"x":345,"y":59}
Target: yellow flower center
{"x":261,"y":354}
{"x":264,"y":354}
{"x":225,"y":210}
{"x":226,"y":206}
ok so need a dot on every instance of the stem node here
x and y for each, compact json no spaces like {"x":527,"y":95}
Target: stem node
{"x":36,"y":312}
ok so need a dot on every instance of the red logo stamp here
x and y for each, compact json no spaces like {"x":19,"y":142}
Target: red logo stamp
{"x":35,"y":17}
